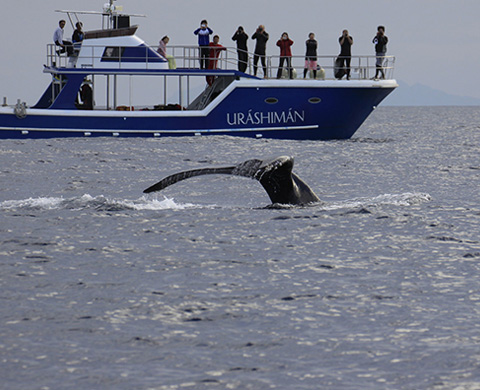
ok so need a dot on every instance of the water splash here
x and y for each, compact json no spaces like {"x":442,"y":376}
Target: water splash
{"x":87,"y":201}
{"x":152,"y":203}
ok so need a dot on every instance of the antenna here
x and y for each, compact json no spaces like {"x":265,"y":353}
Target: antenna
{"x":112,"y":16}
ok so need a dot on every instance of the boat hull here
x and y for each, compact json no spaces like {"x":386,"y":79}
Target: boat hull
{"x":283,"y":109}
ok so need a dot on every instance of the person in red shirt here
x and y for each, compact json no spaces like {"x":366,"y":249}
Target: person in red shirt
{"x":215,"y":50}
{"x":285,"y":55}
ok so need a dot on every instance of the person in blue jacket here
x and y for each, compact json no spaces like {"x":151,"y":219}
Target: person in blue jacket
{"x":204,"y":33}
{"x":77,"y":37}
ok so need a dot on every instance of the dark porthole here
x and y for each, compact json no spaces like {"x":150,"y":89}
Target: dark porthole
{"x":271,"y":100}
{"x":314,"y":100}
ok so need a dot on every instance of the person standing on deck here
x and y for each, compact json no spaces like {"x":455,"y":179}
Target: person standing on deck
{"x":346,"y":42}
{"x":260,"y":49}
{"x":311,"y":56}
{"x":203,"y":33}
{"x":380,"y":41}
{"x":241,"y":38}
{"x":285,"y":44}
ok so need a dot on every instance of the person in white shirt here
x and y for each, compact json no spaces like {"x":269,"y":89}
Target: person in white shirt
{"x":58,"y":40}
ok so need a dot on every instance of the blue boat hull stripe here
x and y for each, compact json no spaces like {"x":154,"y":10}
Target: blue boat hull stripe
{"x":229,"y":130}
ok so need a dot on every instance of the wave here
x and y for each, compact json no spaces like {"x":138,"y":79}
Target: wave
{"x":100,"y":203}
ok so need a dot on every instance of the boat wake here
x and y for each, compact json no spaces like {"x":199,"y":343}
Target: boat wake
{"x":99,"y":203}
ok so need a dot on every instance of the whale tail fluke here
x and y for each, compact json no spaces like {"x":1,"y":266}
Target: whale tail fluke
{"x":275,"y":175}
{"x":172,"y":179}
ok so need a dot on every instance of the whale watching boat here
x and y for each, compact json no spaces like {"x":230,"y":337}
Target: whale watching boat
{"x":92,"y":92}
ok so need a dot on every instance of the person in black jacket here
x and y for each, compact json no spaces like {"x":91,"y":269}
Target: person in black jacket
{"x":241,"y":38}
{"x":345,"y":57}
{"x":260,"y":49}
{"x":380,"y":40}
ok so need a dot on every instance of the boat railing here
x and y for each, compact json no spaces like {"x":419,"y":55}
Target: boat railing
{"x":87,"y":56}
{"x":362,"y":67}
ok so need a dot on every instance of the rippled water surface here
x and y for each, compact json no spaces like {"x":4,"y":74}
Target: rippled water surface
{"x":202,"y":286}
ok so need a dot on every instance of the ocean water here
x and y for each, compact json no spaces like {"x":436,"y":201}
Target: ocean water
{"x":203,"y":286}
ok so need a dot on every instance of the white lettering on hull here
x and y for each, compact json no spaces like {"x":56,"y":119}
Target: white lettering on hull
{"x":265,"y":118}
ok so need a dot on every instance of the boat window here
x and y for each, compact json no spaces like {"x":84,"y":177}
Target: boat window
{"x":271,"y":100}
{"x":113,"y":53}
{"x":314,"y":100}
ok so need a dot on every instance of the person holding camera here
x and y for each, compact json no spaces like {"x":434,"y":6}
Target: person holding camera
{"x":260,"y":49}
{"x":345,"y":57}
{"x":241,"y":38}
{"x":285,"y":43}
{"x":204,"y":33}
{"x":380,"y":41}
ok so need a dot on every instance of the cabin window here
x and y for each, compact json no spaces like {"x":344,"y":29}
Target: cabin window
{"x":314,"y":100}
{"x":271,"y":100}
{"x":114,"y":53}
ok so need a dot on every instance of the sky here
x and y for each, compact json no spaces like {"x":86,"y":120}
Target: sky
{"x":435,"y":42}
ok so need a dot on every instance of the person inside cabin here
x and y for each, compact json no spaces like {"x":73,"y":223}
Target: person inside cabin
{"x":260,"y":49}
{"x":380,"y":41}
{"x":215,"y":50}
{"x":311,"y":56}
{"x":77,"y":37}
{"x":345,"y":57}
{"x":241,"y":38}
{"x":58,"y":40}
{"x":285,"y":44}
{"x":203,"y":33}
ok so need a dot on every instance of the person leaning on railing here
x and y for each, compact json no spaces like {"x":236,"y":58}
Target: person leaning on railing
{"x":215,"y":50}
{"x":162,"y":46}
